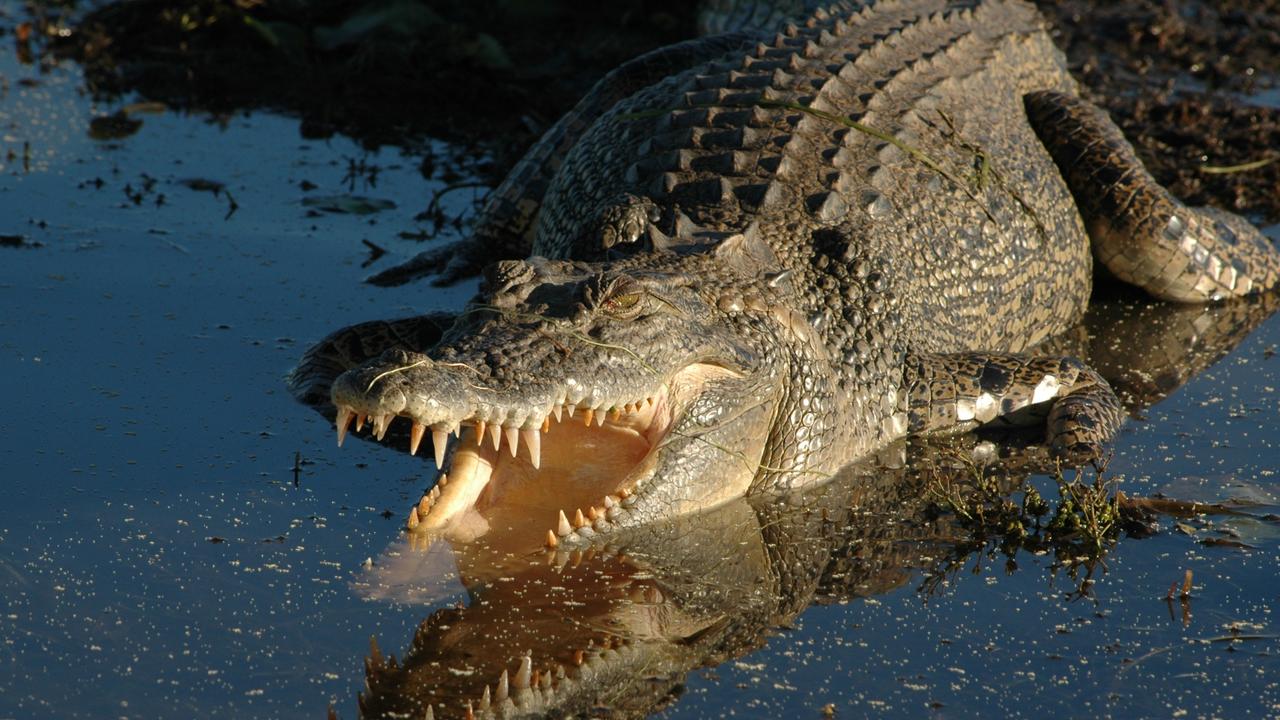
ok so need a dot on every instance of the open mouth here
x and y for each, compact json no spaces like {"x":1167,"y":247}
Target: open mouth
{"x":574,"y":474}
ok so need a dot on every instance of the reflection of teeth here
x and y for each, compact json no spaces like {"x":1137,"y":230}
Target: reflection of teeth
{"x":501,"y":691}
{"x":524,"y":674}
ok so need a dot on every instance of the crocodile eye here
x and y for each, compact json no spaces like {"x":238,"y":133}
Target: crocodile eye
{"x":622,"y":304}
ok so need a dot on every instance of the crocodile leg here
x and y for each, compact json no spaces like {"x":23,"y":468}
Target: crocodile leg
{"x":958,"y":392}
{"x":349,"y":347}
{"x":507,"y":223}
{"x":1140,"y":232}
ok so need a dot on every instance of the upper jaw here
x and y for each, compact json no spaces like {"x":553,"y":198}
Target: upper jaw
{"x":569,"y":456}
{"x":447,"y":397}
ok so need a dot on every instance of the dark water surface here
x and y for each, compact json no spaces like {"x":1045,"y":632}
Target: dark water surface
{"x":160,"y":556}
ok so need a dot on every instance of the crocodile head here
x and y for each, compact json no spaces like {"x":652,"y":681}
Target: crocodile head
{"x":589,"y":396}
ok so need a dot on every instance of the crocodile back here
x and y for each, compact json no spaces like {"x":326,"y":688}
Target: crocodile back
{"x":883,"y":151}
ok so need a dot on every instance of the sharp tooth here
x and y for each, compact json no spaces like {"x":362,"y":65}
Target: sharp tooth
{"x":524,"y":674}
{"x":552,"y":542}
{"x":578,"y":519}
{"x":344,"y":419}
{"x":591,"y":514}
{"x":360,"y":418}
{"x":495,"y":433}
{"x":588,"y":416}
{"x":545,"y":683}
{"x":480,"y":427}
{"x":513,"y":439}
{"x":440,"y":439}
{"x":624,"y":493}
{"x":381,"y":424}
{"x":533,"y":441}
{"x":578,"y":657}
{"x":546,"y":423}
{"x":648,"y":401}
{"x":558,"y":411}
{"x":500,"y":691}
{"x":600,"y":419}
{"x":565,"y":528}
{"x":484,"y":699}
{"x":415,"y":436}
{"x":570,"y":408}
{"x":431,"y":714}
{"x":444,"y":480}
{"x":413,"y":517}
{"x":471,"y":714}
{"x":536,"y":679}
{"x":424,"y":505}
{"x":609,"y":501}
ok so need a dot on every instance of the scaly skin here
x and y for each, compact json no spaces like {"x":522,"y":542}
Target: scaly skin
{"x":784,"y":256}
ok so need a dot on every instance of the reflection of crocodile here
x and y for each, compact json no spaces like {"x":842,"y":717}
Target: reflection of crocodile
{"x":575,"y":631}
{"x":758,"y":257}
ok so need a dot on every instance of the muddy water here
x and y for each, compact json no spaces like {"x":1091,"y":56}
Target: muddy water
{"x":180,"y":539}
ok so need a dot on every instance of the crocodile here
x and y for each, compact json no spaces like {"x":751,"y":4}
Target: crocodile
{"x":613,"y":629}
{"x":753,"y":258}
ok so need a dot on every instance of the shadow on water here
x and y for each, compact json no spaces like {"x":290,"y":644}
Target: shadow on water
{"x":176,"y":543}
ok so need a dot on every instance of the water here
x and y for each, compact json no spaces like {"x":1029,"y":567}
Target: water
{"x":161,"y":555}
